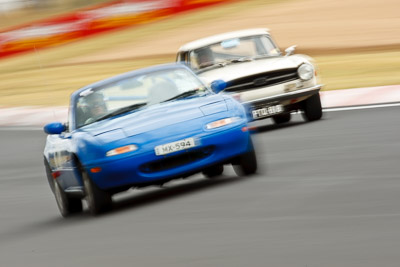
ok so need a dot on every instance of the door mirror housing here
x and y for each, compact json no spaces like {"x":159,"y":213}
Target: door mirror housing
{"x":54,"y":128}
{"x":218,"y":86}
{"x":290,"y":50}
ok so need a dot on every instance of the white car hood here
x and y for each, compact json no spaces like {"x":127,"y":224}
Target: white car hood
{"x":244,"y":69}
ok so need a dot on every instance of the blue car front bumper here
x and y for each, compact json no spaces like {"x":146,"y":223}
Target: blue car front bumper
{"x":147,"y":168}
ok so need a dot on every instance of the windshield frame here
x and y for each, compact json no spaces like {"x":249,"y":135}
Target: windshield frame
{"x":191,"y":56}
{"x":176,"y":69}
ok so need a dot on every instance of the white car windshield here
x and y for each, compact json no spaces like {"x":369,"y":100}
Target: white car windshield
{"x":135,"y":92}
{"x":233,"y":50}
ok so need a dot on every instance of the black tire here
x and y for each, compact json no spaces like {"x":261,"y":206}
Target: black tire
{"x":66,"y":205}
{"x":246,"y":164}
{"x":214,"y":171}
{"x":98,"y":201}
{"x":282,"y":118}
{"x":312,"y":108}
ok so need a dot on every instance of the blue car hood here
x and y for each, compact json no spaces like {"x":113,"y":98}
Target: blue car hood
{"x":159,"y":116}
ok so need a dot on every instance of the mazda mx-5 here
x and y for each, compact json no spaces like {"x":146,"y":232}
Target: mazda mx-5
{"x":140,"y":128}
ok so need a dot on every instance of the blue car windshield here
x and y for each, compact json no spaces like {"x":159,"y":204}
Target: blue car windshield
{"x":136,"y":92}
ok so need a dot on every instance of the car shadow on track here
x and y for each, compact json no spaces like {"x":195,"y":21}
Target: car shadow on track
{"x":172,"y":191}
{"x":275,"y":127}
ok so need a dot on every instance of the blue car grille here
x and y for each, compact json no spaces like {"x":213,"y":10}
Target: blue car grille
{"x":170,"y":162}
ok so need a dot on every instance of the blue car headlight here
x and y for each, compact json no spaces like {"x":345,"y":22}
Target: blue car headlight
{"x":221,"y":123}
{"x":121,"y":150}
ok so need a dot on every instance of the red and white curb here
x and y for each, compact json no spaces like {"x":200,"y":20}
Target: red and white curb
{"x":360,"y":96}
{"x":32,"y":116}
{"x":331,"y":101}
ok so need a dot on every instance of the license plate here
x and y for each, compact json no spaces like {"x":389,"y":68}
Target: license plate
{"x":267,"y":111}
{"x":175,"y":146}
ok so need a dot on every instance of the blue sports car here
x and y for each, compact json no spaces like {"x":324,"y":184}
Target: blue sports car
{"x":144,"y":127}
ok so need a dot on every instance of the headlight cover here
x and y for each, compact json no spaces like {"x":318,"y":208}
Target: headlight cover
{"x":220,"y":123}
{"x":306,"y":71}
{"x":121,"y":150}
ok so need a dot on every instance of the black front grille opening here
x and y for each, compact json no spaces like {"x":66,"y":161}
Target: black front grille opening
{"x":170,"y":162}
{"x":262,"y":80}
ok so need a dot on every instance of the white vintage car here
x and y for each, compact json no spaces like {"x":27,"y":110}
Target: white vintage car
{"x":255,"y":72}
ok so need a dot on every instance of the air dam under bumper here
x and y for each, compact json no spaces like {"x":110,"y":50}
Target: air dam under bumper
{"x":221,"y":146}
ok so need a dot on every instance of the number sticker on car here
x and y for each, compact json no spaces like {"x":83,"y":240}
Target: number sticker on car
{"x":267,"y":111}
{"x":174,"y":146}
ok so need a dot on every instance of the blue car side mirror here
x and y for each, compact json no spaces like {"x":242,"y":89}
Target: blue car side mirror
{"x":218,"y":86}
{"x":54,"y":128}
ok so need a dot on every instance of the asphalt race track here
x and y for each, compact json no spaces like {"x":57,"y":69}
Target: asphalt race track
{"x":327,"y":194}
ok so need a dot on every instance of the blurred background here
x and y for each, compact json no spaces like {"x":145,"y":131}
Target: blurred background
{"x":330,"y":193}
{"x":13,"y":5}
{"x":16,"y":11}
{"x":355,"y":43}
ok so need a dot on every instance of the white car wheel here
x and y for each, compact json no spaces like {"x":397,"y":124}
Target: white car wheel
{"x":312,"y":108}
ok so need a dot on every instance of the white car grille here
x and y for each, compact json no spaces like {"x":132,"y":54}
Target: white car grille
{"x":262,"y":80}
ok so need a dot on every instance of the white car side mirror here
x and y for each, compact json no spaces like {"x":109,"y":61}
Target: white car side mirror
{"x":290,"y":50}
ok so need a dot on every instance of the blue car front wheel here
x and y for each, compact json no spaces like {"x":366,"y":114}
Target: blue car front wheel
{"x":98,"y":200}
{"x":246,"y":163}
{"x":214,"y":171}
{"x":66,"y":205}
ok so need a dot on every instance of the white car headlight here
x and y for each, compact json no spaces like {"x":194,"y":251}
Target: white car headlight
{"x":220,"y":123}
{"x":306,"y":72}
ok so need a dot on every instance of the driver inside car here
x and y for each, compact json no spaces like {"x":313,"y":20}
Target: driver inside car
{"x":95,"y":108}
{"x":205,"y":57}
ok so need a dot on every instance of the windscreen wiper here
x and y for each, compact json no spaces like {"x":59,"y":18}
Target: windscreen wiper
{"x":121,"y":111}
{"x":211,"y":66}
{"x":183,"y":95}
{"x":241,"y":59}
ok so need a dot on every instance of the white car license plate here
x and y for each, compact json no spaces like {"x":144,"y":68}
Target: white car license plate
{"x":174,"y":146}
{"x":267,"y":111}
